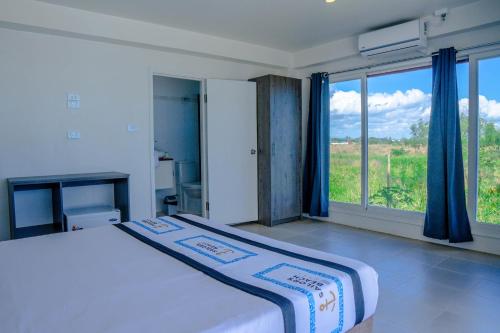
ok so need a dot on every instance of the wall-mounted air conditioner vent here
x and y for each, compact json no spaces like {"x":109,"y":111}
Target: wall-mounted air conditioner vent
{"x":401,"y":38}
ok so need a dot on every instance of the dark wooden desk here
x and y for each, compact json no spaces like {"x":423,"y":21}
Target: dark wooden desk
{"x":56,"y":185}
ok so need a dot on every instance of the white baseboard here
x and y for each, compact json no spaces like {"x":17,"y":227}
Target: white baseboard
{"x":486,"y":237}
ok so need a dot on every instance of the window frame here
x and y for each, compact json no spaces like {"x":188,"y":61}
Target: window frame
{"x":473,"y":160}
{"x":412,"y":217}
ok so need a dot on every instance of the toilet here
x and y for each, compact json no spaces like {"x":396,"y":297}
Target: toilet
{"x":188,"y":187}
{"x":191,"y":196}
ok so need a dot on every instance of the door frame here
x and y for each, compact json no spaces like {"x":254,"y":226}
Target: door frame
{"x":203,"y":138}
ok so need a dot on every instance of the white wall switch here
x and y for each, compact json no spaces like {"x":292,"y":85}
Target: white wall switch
{"x":132,"y":128}
{"x":73,"y":101}
{"x":73,"y":135}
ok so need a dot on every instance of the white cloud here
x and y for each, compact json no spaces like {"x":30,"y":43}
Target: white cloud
{"x":463,"y":105}
{"x":345,"y":102}
{"x":389,"y":114}
{"x":349,"y":102}
{"x":414,"y":99}
{"x":489,"y":109}
{"x":393,"y":114}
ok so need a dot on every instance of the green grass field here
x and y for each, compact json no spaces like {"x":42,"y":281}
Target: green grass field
{"x":397,"y":177}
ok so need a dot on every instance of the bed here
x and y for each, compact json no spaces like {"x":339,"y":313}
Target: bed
{"x":178,"y":274}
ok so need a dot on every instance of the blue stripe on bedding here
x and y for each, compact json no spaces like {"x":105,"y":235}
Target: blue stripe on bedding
{"x":359,"y":301}
{"x":284,"y":303}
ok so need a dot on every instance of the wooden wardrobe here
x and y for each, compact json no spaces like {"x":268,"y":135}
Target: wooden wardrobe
{"x":279,"y":135}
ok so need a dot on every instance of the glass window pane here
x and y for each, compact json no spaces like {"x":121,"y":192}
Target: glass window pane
{"x":398,"y":124}
{"x":463,"y":107}
{"x":488,"y":201}
{"x":345,"y":139}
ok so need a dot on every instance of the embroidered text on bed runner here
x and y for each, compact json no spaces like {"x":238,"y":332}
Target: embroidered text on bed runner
{"x":215,"y":249}
{"x":324,"y":293}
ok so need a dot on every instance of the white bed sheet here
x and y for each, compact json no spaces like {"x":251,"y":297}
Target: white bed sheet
{"x":104,"y":280}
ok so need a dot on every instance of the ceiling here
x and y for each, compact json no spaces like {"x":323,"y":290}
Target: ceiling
{"x":288,"y":25}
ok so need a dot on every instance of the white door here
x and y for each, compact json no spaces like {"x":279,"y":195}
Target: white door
{"x":231,"y":132}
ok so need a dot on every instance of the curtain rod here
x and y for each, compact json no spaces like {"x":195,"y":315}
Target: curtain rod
{"x":409,"y":59}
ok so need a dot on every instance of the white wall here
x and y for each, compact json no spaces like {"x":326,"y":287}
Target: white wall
{"x":114,"y":82}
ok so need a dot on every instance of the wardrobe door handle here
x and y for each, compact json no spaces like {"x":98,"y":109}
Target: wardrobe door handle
{"x":253,"y":151}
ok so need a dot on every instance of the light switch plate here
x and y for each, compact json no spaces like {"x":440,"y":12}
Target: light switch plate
{"x":73,"y":101}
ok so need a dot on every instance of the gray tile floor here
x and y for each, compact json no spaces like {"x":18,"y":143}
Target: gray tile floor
{"x":423,"y":287}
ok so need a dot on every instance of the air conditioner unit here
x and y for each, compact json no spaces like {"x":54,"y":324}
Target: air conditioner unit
{"x":402,"y":38}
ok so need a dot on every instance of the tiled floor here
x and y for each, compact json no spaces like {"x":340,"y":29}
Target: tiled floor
{"x":423,"y":287}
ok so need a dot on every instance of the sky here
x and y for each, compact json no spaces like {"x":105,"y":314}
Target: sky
{"x":396,"y":101}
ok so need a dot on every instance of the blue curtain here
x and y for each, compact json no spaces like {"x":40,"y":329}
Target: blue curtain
{"x":317,"y":166}
{"x":446,"y":216}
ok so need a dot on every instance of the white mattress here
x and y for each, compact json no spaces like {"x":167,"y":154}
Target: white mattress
{"x":106,"y":280}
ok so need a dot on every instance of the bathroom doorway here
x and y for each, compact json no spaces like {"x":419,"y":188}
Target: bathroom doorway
{"x":177,"y":158}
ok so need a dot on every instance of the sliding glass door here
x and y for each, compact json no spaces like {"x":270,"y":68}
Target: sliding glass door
{"x":398,"y":124}
{"x":379,"y":123}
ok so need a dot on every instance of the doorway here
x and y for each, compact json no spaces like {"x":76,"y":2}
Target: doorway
{"x":178,"y":185}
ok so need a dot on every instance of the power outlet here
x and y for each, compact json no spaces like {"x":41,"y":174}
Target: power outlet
{"x":132,"y":128}
{"x":73,"y":135}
